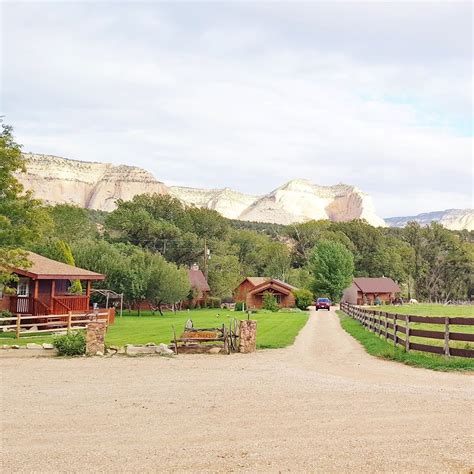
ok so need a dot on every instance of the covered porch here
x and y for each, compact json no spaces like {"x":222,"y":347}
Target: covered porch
{"x":43,"y":288}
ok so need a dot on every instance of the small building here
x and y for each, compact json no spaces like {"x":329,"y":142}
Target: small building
{"x":364,"y":290}
{"x":199,"y":286}
{"x":42,"y":288}
{"x":252,"y":289}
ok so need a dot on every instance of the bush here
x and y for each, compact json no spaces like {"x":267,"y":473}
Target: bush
{"x":270,"y":302}
{"x":70,"y":344}
{"x":303,"y":298}
{"x":239,"y":306}
{"x":6,"y":314}
{"x":213,"y":302}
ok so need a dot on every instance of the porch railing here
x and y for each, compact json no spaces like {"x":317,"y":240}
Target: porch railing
{"x":59,"y":305}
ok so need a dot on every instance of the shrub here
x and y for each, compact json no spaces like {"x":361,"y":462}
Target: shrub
{"x":239,"y":306}
{"x":303,"y":298}
{"x":270,"y":302}
{"x":6,"y":314}
{"x":213,"y":302}
{"x":70,"y":344}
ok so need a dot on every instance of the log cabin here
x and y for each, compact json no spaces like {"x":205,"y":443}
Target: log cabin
{"x":364,"y":290}
{"x":252,"y":289}
{"x":42,"y":288}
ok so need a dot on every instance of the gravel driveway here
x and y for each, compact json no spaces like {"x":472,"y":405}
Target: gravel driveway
{"x":321,"y":405}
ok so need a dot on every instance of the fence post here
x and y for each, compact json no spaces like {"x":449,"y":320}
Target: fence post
{"x":407,"y":332}
{"x":18,"y":322}
{"x":386,"y":326}
{"x":395,"y":329}
{"x":446,"y":336}
{"x":69,"y":321}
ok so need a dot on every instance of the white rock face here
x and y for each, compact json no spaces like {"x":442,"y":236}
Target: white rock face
{"x":454,"y":219}
{"x":86,"y":184}
{"x":230,"y":204}
{"x":300,"y":200}
{"x":99,"y":185}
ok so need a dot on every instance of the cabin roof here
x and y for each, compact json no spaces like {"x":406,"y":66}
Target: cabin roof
{"x":258,"y":282}
{"x":376,"y":285}
{"x":198,"y":280}
{"x":43,"y":268}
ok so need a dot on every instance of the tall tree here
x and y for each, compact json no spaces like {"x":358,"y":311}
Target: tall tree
{"x":332,"y":266}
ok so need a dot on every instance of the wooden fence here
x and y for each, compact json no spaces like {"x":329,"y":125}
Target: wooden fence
{"x":390,"y":325}
{"x":25,"y":325}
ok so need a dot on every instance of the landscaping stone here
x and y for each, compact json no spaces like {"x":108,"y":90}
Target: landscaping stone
{"x":48,"y":346}
{"x":32,"y":345}
{"x":130,"y":349}
{"x":99,"y":353}
{"x":215,"y":350}
{"x":164,"y":350}
{"x":15,"y":346}
{"x":150,"y":344}
{"x":32,"y":329}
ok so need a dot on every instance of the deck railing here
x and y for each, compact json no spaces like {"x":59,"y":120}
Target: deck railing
{"x":58,"y":305}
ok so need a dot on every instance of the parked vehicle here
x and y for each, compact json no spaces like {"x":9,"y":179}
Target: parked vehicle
{"x":323,"y":303}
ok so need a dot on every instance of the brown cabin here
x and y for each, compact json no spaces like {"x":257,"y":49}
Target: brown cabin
{"x":199,"y":285}
{"x":42,"y":288}
{"x":252,"y":289}
{"x":365,"y":290}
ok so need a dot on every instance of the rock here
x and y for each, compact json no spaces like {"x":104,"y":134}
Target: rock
{"x":14,"y":347}
{"x":99,"y":353}
{"x":150,"y":344}
{"x":163,"y":349}
{"x":109,"y":351}
{"x":121,"y":350}
{"x":32,"y":329}
{"x":215,"y":350}
{"x":46,"y":345}
{"x":130,"y":349}
{"x":32,"y":345}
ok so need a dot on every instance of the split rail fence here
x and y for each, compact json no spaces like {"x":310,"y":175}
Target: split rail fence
{"x":390,"y":325}
{"x":25,"y":324}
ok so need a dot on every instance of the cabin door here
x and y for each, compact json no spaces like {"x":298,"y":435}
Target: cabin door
{"x":23,"y":292}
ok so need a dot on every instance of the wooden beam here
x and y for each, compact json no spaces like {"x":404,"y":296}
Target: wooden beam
{"x":53,"y":288}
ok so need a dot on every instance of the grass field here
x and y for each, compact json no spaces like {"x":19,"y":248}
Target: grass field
{"x":378,"y":347}
{"x":274,"y":330}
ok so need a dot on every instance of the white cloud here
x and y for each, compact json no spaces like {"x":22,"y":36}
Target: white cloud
{"x":250,"y":96}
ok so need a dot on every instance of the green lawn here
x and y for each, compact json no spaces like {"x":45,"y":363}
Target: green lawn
{"x":273,"y":329}
{"x":377,"y":346}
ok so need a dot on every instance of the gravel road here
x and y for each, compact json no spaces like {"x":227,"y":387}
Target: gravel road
{"x":321,"y":405}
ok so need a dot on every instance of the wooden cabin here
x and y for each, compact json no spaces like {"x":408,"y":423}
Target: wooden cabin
{"x":42,"y":288}
{"x":252,"y":289}
{"x":365,"y":290}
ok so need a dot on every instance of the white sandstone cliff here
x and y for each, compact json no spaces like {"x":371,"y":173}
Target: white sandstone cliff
{"x":86,"y":184}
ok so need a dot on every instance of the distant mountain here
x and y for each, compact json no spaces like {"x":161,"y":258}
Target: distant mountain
{"x":99,"y":185}
{"x":454,"y":219}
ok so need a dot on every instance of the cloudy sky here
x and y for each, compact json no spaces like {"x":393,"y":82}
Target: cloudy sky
{"x":250,"y":95}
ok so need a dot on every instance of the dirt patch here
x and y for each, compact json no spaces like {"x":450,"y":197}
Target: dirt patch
{"x":320,"y":405}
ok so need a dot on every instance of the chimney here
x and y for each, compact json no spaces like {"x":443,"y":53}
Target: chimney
{"x":195,"y":267}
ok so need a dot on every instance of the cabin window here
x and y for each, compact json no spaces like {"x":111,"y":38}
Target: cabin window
{"x":278,"y":298}
{"x":23,"y":288}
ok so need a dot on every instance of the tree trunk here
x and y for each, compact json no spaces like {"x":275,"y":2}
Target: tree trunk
{"x":159,"y":308}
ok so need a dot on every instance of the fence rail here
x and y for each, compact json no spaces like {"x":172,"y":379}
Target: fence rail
{"x":25,"y":325}
{"x":390,"y":325}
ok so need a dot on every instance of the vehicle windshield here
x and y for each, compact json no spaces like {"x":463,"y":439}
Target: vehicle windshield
{"x":323,"y":300}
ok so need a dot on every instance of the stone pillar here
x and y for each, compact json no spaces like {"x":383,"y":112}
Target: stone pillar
{"x":248,"y":336}
{"x":95,"y":338}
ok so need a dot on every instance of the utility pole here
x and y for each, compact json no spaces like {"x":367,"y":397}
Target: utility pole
{"x":205,"y":258}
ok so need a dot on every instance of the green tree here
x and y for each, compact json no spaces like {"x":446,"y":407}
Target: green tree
{"x":22,"y":218}
{"x":303,"y":298}
{"x":71,"y":223}
{"x":270,"y":302}
{"x":332,"y":266}
{"x":224,"y":275}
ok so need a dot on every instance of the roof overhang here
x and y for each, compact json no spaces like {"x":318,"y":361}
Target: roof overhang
{"x":36,"y":276}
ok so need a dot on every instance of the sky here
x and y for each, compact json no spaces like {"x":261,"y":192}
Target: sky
{"x":250,"y":95}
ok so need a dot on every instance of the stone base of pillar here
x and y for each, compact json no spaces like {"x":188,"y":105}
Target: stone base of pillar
{"x":95,"y":338}
{"x":248,"y":336}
